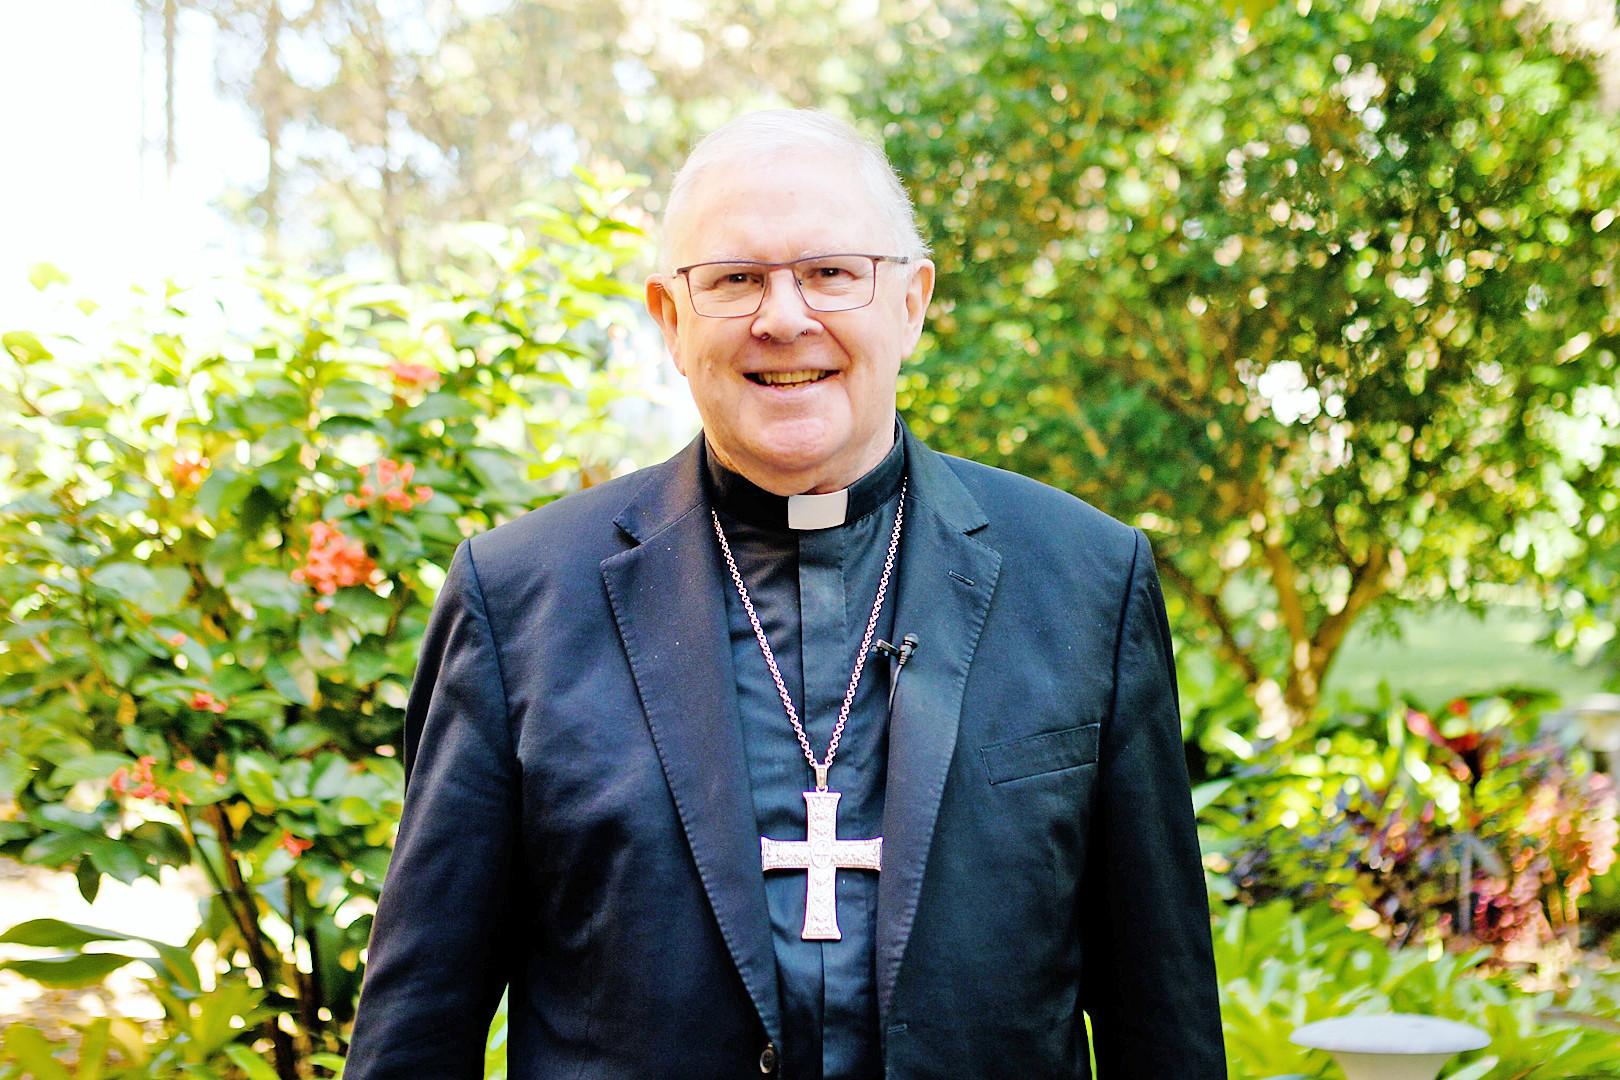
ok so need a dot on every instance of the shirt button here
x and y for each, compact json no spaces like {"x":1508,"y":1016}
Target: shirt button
{"x":767,"y":1059}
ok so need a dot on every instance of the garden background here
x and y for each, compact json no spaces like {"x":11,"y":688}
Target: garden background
{"x":1319,"y":293}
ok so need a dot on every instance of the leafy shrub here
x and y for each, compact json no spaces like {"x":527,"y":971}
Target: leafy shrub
{"x":1474,"y":828}
{"x":226,"y":520}
{"x":1280,"y":969}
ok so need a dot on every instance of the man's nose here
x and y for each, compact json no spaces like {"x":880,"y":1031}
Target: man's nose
{"x":783,"y":315}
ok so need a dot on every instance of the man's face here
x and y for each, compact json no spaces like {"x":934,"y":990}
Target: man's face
{"x":834,"y":420}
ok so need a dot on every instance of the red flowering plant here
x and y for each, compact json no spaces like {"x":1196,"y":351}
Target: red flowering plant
{"x":221,"y":553}
{"x":1479,"y":824}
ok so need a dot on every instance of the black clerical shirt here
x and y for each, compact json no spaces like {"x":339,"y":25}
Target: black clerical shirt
{"x":813,"y":592}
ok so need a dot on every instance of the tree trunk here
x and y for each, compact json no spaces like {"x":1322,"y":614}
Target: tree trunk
{"x":272,"y":101}
{"x":171,"y":33}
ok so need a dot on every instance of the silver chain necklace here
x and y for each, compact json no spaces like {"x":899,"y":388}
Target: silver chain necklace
{"x":820,"y":767}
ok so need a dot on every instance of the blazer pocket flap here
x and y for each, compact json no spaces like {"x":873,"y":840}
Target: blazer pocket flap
{"x":1037,"y":754}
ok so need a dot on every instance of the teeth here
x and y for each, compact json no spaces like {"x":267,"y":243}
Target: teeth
{"x":788,"y":378}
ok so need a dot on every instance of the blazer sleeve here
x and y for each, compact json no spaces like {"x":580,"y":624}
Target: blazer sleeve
{"x":433,"y":974}
{"x":1149,"y":981}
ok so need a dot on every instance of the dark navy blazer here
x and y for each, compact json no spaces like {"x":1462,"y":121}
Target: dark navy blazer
{"x":578,"y":823}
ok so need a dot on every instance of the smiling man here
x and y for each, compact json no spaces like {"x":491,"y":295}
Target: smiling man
{"x":810,"y":752}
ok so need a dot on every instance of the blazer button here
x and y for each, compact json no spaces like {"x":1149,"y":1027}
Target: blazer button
{"x":767,"y":1059}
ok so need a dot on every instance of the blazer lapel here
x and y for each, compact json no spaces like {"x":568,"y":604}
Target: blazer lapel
{"x":669,"y":602}
{"x":946,"y":580}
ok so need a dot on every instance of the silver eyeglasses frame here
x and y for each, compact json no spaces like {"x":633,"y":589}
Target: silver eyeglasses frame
{"x":766,"y":269}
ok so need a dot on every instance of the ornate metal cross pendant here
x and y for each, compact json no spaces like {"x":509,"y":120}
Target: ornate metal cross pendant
{"x":823,"y":855}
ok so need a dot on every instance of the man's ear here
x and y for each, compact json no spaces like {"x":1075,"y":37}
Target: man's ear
{"x":666,"y":313}
{"x":919,"y":291}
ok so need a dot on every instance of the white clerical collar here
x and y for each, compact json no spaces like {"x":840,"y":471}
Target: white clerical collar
{"x":809,"y":512}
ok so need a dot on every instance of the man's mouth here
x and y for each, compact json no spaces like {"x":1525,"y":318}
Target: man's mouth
{"x":787,"y":378}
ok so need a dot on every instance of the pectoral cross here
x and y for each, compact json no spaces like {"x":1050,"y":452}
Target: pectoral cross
{"x":823,"y":855}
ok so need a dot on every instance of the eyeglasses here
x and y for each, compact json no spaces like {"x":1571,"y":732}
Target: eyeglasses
{"x":732,"y":290}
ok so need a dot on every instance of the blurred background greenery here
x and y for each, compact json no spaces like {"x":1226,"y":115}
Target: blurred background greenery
{"x":1320,"y":294}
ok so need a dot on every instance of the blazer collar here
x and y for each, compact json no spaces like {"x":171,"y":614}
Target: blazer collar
{"x":946,"y":579}
{"x":668,"y":598}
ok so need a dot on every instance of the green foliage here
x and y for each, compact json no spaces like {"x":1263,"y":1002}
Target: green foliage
{"x":1476,"y":827}
{"x":1324,"y":301}
{"x":226,"y":518}
{"x":1280,"y":969}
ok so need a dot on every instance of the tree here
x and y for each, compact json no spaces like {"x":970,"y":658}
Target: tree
{"x":384,"y":124}
{"x":1327,"y":306}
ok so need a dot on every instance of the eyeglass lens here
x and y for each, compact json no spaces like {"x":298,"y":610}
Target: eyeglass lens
{"x":827,"y":283}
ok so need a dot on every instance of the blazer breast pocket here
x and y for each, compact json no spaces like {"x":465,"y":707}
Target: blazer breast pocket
{"x":1035,"y":755}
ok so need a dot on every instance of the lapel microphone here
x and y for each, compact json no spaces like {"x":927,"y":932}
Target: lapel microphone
{"x":898,"y":655}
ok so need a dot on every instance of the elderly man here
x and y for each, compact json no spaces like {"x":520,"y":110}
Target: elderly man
{"x":809,"y":752}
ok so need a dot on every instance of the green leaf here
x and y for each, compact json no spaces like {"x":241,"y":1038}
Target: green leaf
{"x":156,"y":592}
{"x":255,"y":781}
{"x":1205,"y":794}
{"x":56,"y":934}
{"x":1475,"y":1071}
{"x":441,"y":405}
{"x":222,"y":491}
{"x":89,"y":767}
{"x":13,"y":771}
{"x":67,"y":972}
{"x":42,"y":275}
{"x":115,"y":858}
{"x":25,"y":347}
{"x":330,"y":1062}
{"x":250,"y":1063}
{"x":176,"y":963}
{"x":93,"y":1049}
{"x":33,"y":1052}
{"x":88,"y":879}
{"x":351,"y":397}
{"x":292,"y":678}
{"x":267,"y":589}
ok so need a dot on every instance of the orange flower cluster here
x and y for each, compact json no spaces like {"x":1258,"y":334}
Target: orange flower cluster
{"x":391,"y":485}
{"x":294,"y":845}
{"x":335,"y":561}
{"x":187,"y":469}
{"x":409,"y":376}
{"x":139,"y":784}
{"x":203,"y":701}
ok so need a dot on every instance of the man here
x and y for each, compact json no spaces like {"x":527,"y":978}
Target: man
{"x":809,"y":752}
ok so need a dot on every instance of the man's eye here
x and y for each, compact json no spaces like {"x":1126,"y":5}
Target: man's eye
{"x":829,"y":273}
{"x":739,"y":277}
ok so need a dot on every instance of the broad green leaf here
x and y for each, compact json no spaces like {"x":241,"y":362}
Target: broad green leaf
{"x":331,"y":1062}
{"x":267,"y":588}
{"x":156,"y":592}
{"x":292,"y":678}
{"x":56,"y":934}
{"x":1205,"y":794}
{"x":250,"y":1063}
{"x":93,"y":1050}
{"x":24,"y":346}
{"x":88,"y":767}
{"x":116,"y":859}
{"x":66,"y":972}
{"x":353,"y":397}
{"x":33,"y":1052}
{"x":440,"y":405}
{"x":256,"y":782}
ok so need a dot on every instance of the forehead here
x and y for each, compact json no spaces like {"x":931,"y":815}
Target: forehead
{"x":787,"y":206}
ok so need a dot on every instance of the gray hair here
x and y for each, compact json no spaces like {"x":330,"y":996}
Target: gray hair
{"x":777,"y":131}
